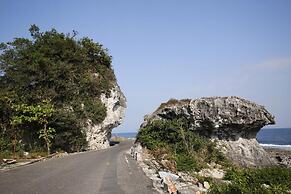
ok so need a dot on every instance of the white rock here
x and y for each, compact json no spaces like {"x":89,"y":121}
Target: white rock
{"x":214,"y":173}
{"x":206,"y":185}
{"x":98,"y":136}
{"x":164,"y":174}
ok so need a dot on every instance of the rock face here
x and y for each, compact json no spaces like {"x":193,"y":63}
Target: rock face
{"x":98,"y":136}
{"x":232,"y":121}
{"x":281,"y":157}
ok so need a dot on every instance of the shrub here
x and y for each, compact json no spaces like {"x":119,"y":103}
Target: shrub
{"x":277,"y":179}
{"x":189,"y":150}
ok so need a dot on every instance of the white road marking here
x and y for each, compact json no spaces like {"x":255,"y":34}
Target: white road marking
{"x":126,"y":160}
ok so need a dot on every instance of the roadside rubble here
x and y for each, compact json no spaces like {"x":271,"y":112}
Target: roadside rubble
{"x":7,"y":164}
{"x":14,"y":163}
{"x":9,"y":161}
{"x":165,"y":181}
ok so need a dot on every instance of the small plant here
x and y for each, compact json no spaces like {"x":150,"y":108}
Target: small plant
{"x":47,"y":134}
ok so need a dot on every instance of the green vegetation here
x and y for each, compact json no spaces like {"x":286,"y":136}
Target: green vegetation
{"x":256,"y":181}
{"x":39,"y":114}
{"x":175,"y":141}
{"x":50,"y":85}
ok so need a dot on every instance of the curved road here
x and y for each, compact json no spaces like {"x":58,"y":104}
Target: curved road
{"x":109,"y":171}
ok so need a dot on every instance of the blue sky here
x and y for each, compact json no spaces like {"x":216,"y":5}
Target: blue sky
{"x":177,"y":49}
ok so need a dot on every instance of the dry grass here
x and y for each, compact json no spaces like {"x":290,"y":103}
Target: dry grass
{"x":173,"y":102}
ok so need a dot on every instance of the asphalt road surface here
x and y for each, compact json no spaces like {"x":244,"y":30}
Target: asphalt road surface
{"x":109,"y":171}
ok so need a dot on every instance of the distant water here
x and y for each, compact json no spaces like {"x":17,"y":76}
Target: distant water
{"x":275,"y":138}
{"x":127,"y":135}
{"x":269,"y":137}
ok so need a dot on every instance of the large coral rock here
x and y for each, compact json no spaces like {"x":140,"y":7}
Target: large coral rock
{"x":232,"y":121}
{"x":98,"y":136}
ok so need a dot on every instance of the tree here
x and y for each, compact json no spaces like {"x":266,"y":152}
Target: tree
{"x":72,"y":73}
{"x":40,"y":114}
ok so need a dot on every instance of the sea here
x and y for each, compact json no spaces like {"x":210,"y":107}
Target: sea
{"x":267,"y":137}
{"x":275,"y":138}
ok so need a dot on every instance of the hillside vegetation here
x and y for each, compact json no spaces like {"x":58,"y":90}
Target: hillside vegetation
{"x":50,"y":85}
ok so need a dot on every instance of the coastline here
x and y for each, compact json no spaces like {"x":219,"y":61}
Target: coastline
{"x":276,"y":146}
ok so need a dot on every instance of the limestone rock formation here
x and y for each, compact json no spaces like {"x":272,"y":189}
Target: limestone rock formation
{"x":98,"y":136}
{"x":281,"y":157}
{"x":232,"y":121}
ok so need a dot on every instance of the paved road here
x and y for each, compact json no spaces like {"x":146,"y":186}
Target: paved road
{"x":109,"y":171}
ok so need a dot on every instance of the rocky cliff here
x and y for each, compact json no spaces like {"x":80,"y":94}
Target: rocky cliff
{"x":232,"y":122}
{"x":98,"y":136}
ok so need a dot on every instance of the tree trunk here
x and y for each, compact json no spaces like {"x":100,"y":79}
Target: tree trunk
{"x":48,"y":148}
{"x":47,"y":141}
{"x":14,"y":146}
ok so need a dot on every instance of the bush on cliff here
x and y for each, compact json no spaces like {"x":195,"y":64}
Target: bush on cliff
{"x":177,"y":142}
{"x":69,"y":73}
{"x":257,"y":181}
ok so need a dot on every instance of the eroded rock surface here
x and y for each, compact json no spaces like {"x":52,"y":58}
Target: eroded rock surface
{"x":232,"y":121}
{"x":98,"y":136}
{"x":281,"y":157}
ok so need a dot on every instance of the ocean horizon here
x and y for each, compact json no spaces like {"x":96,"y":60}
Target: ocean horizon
{"x":275,"y":138}
{"x":267,"y":137}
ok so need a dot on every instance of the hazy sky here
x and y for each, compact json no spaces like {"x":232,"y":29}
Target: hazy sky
{"x":177,"y":49}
